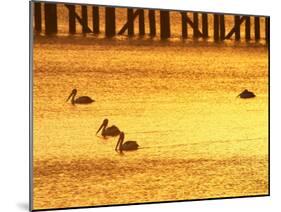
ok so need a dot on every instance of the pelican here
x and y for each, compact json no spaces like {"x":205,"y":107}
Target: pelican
{"x":127,"y":146}
{"x":108,"y":131}
{"x":246,"y":94}
{"x":79,"y":100}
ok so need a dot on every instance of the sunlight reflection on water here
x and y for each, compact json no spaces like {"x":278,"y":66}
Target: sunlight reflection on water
{"x":179,"y":102}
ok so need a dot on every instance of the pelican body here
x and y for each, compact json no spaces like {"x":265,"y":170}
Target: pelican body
{"x":246,"y":94}
{"x":108,"y":131}
{"x":127,"y":146}
{"x":79,"y":100}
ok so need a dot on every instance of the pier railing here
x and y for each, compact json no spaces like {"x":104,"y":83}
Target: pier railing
{"x":199,"y":23}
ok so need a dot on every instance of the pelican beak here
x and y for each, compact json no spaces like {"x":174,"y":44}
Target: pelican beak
{"x":102,"y":125}
{"x":69,"y":96}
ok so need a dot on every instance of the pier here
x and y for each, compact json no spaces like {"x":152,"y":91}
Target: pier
{"x":199,"y":23}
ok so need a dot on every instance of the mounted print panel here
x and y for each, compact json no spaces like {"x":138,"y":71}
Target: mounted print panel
{"x":138,"y":105}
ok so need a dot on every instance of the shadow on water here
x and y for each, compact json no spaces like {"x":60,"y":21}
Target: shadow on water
{"x":136,"y":41}
{"x":23,"y":206}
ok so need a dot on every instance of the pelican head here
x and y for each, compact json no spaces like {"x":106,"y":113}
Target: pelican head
{"x":103,"y":125}
{"x":72,"y":94}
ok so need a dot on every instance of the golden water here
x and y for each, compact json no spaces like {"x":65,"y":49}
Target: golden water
{"x":176,"y":99}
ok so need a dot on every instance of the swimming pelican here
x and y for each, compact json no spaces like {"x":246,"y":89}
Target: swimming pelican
{"x":108,"y":131}
{"x":246,"y":94}
{"x":127,"y":146}
{"x":79,"y":100}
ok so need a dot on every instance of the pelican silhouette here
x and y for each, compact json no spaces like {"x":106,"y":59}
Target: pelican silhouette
{"x":246,"y":94}
{"x":127,"y":146}
{"x":79,"y":100}
{"x":108,"y":131}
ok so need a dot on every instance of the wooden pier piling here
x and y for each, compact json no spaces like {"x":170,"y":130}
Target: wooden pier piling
{"x":141,"y":23}
{"x":184,"y":25}
{"x":71,"y":19}
{"x":200,"y":26}
{"x":96,"y":19}
{"x":110,"y":28}
{"x":131,"y":16}
{"x":37,"y":17}
{"x":267,"y":29}
{"x":222,"y":27}
{"x":51,"y":24}
{"x":205,"y":25}
{"x":248,"y":28}
{"x":164,"y":24}
{"x":85,"y":28}
{"x":237,"y":27}
{"x":130,"y":19}
{"x":195,"y":25}
{"x":152,"y":22}
{"x":257,"y":28}
{"x":216,"y":27}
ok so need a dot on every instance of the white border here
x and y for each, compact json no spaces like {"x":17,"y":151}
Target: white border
{"x":14,"y":86}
